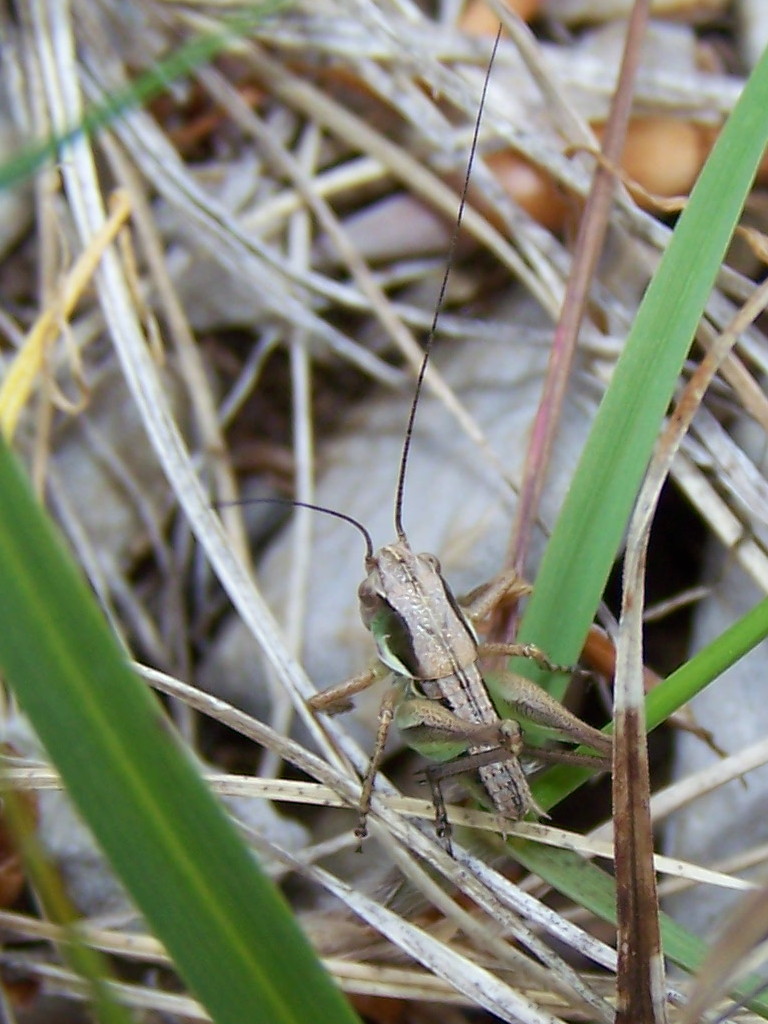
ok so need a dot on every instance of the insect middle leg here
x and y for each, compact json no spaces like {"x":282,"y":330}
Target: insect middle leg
{"x":439,"y":735}
{"x":435,"y":774}
{"x":483,"y":600}
{"x":528,"y":701}
{"x":459,"y":746}
{"x":386,"y":717}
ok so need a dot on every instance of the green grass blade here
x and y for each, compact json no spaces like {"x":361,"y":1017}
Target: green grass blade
{"x":182,"y":61}
{"x":706,"y":665}
{"x":89,"y":964}
{"x":593,"y":888}
{"x":588,"y":533}
{"x":227,"y":929}
{"x":670,"y":695}
{"x":589,"y":530}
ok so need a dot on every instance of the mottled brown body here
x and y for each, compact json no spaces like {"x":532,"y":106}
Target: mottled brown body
{"x":441,"y":701}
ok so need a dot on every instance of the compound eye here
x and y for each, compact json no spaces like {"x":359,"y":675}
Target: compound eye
{"x":432,"y":561}
{"x":370,"y":600}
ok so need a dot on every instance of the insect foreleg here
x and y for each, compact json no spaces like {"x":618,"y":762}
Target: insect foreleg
{"x":386,"y":714}
{"x":337,"y":699}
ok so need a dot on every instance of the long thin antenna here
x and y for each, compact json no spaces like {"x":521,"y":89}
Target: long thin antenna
{"x":400,"y":491}
{"x":305,"y":504}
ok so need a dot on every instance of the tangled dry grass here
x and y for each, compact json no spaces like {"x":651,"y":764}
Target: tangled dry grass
{"x":281,"y":216}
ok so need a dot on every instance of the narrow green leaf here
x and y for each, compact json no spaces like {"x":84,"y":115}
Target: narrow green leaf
{"x":89,"y":964}
{"x":226,"y":927}
{"x":670,"y":695}
{"x":181,"y":62}
{"x":706,"y":665}
{"x":588,"y":533}
{"x":593,"y":888}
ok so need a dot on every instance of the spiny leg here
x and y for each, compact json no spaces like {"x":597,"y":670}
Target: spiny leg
{"x":489,"y":649}
{"x":533,"y":704}
{"x":442,"y":736}
{"x":562,"y":755}
{"x":431,"y":773}
{"x":476,"y":761}
{"x":481,"y":601}
{"x":337,"y":699}
{"x":386,"y":714}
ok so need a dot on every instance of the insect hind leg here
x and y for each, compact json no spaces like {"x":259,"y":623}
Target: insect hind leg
{"x":506,"y":745}
{"x":434,"y":775}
